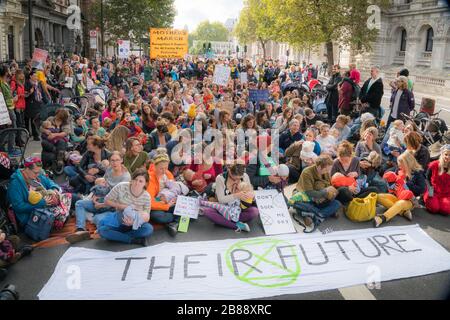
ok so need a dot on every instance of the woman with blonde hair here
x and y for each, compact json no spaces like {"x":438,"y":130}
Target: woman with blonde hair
{"x":410,"y":177}
{"x":437,"y":199}
{"x":117,"y":139}
{"x":402,"y":101}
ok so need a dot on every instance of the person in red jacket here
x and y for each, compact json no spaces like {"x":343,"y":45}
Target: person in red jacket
{"x":437,"y":199}
{"x":18,"y":91}
{"x":345,"y":89}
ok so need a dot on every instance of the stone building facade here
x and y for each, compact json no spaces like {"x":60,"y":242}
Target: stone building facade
{"x":415,"y":34}
{"x":12,"y":23}
{"x":50,"y":30}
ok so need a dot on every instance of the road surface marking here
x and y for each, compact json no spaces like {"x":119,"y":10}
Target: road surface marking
{"x":357,"y":293}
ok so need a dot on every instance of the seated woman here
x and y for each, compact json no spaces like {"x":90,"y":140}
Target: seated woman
{"x":131,"y":202}
{"x":349,"y":166}
{"x":342,"y":126}
{"x":82,"y":177}
{"x":294,"y":161}
{"x":135,"y":156}
{"x":30,"y":189}
{"x":162,"y":212}
{"x":96,"y":128}
{"x":370,"y":155}
{"x":55,"y":144}
{"x":258,"y":169}
{"x":114,"y":175}
{"x":327,"y":141}
{"x":414,"y":143}
{"x":117,"y":138}
{"x":406,"y":185}
{"x":201,"y":177}
{"x":229,"y":190}
{"x":159,"y":137}
{"x":129,"y":121}
{"x":315,"y":183}
{"x":437,"y":199}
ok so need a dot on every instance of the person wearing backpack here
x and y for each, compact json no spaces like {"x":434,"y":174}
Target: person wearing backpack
{"x":346,"y":92}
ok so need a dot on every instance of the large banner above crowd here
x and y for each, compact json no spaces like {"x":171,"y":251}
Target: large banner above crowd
{"x":168,"y":43}
{"x":247,"y":268}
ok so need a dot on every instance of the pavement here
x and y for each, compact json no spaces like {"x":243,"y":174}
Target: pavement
{"x":32,"y":273}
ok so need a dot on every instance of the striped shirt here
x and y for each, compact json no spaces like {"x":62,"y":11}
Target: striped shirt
{"x":121,"y":193}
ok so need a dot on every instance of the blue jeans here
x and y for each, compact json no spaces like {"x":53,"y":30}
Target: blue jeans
{"x":114,"y":232}
{"x":320,"y":213}
{"x":163,"y":217}
{"x":82,"y":207}
{"x":70,"y":171}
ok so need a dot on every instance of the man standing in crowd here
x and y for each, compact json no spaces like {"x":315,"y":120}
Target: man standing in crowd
{"x":332,"y":100}
{"x":372,"y":93}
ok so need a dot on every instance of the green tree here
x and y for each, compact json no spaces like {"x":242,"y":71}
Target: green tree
{"x":207,"y":31}
{"x":314,"y":22}
{"x":132,"y":19}
{"x":256,"y":23}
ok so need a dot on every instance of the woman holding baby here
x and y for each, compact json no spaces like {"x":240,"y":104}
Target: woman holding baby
{"x":159,"y":177}
{"x":131,"y":202}
{"x":91,"y":167}
{"x":114,"y":175}
{"x":346,"y":175}
{"x":233,"y":189}
{"x":315,"y":184}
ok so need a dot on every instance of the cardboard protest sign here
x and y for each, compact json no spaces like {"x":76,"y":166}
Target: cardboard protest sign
{"x":4,"y":114}
{"x":274,"y":213}
{"x":227,"y":106}
{"x":124,"y":49}
{"x":259,"y":95}
{"x":39,"y":59}
{"x":187,"y":207}
{"x":221,"y":75}
{"x":244,"y":77}
{"x":168,"y":43}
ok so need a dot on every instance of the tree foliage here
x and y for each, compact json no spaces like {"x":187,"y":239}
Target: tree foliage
{"x":256,"y":23}
{"x":307,"y":23}
{"x":207,"y":31}
{"x":132,"y":19}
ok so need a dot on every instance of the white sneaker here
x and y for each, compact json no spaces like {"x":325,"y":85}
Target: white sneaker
{"x":408,"y":215}
{"x":242,"y":227}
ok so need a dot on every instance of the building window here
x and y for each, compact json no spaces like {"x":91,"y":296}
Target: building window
{"x":403,"y":41}
{"x":429,"y":44}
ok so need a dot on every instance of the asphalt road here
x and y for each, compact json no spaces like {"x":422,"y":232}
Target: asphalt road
{"x":32,"y":273}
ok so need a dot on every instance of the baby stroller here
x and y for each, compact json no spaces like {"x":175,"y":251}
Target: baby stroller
{"x":53,"y":162}
{"x":318,"y":96}
{"x":24,"y":136}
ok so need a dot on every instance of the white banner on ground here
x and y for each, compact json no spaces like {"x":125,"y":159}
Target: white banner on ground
{"x":274,"y":213}
{"x":247,"y":268}
{"x":221,"y":75}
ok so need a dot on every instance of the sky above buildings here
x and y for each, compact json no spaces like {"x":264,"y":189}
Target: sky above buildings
{"x":192,"y":12}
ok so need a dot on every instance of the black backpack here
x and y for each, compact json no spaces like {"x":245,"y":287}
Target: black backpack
{"x":6,"y":225}
{"x":356,"y":91}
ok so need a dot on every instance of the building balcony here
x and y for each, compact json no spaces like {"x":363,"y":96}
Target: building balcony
{"x":402,"y":7}
{"x":425,"y":59}
{"x":400,"y":58}
{"x":430,"y":4}
{"x":447,"y":64}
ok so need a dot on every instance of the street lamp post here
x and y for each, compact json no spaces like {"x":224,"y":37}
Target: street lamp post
{"x":30,"y":27}
{"x":102,"y":28}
